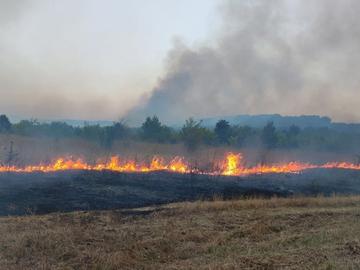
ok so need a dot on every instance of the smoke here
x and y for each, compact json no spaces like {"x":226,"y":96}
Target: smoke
{"x":289,"y":57}
{"x":66,"y":59}
{"x":11,"y":10}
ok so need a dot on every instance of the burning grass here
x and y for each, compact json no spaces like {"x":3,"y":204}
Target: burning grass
{"x":232,"y":165}
{"x":293,"y":233}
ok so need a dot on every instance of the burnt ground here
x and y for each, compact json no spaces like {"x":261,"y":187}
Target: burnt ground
{"x":41,"y":193}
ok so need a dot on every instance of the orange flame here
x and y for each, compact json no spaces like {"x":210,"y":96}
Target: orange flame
{"x":233,"y":165}
{"x":114,"y":164}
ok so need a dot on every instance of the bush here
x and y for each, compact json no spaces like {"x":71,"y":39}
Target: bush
{"x":5,"y":125}
{"x":193,"y":134}
{"x":117,"y":131}
{"x":240,"y":135}
{"x":269,"y":136}
{"x":152,"y":130}
{"x":223,"y":131}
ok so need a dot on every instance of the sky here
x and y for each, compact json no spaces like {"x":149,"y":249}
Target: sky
{"x":117,"y":59}
{"x":90,"y":59}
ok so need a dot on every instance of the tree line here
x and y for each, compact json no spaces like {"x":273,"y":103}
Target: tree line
{"x":192,"y":134}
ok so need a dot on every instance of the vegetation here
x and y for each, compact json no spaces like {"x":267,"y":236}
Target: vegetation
{"x":292,"y":233}
{"x":5,"y":125}
{"x":152,"y":130}
{"x":193,"y":134}
{"x":268,"y":136}
{"x":223,"y":131}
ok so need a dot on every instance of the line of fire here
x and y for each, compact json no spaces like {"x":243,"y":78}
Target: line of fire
{"x":232,"y":165}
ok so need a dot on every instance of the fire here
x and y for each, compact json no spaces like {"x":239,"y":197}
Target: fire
{"x":233,"y":165}
{"x":177,"y":164}
{"x":341,"y":165}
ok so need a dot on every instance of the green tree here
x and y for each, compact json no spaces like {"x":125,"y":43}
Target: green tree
{"x":111,"y":133}
{"x":27,"y":127}
{"x":193,"y":134}
{"x":153,"y":130}
{"x":292,"y":136}
{"x":223,"y":131}
{"x":240,"y":135}
{"x":269,"y":136}
{"x":5,"y":125}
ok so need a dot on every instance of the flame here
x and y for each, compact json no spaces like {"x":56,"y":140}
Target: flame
{"x":341,"y":165}
{"x":233,"y":165}
{"x":114,"y":164}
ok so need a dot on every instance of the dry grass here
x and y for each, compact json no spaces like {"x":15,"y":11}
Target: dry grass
{"x":296,"y":233}
{"x":32,"y":150}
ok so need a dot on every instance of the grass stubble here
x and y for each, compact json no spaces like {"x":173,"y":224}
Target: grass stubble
{"x":276,"y":233}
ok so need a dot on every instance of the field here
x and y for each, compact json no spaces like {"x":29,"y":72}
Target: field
{"x":41,"y":193}
{"x":33,"y":150}
{"x":105,"y":220}
{"x":277,"y":233}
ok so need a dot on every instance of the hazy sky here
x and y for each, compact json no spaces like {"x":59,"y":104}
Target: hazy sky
{"x":90,"y":59}
{"x":107,"y":59}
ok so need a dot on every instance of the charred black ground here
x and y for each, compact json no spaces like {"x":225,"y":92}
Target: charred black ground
{"x":42,"y":193}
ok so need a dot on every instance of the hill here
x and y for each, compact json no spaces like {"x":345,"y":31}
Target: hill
{"x":261,"y":120}
{"x":280,"y":121}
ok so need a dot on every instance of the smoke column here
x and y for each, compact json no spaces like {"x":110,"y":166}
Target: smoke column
{"x":289,"y":57}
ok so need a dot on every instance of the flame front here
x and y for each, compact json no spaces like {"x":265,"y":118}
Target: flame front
{"x":177,"y":164}
{"x":232,"y":165}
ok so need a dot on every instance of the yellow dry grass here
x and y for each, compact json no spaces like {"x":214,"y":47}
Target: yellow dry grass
{"x":277,"y":233}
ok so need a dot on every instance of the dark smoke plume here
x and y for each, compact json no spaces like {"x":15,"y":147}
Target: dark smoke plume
{"x":289,"y":57}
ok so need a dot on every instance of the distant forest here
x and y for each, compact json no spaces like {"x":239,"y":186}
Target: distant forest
{"x":194,"y":134}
